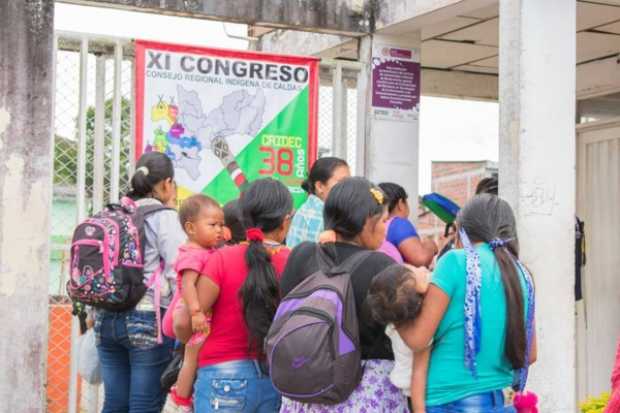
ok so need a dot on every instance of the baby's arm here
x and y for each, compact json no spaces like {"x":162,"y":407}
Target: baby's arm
{"x":418,"y":380}
{"x":190,"y":297}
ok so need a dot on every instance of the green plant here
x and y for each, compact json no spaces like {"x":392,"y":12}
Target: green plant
{"x":594,"y":404}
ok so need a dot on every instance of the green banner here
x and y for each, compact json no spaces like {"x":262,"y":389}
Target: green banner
{"x":225,"y":117}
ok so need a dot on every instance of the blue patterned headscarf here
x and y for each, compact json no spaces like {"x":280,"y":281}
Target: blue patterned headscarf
{"x":473,"y":320}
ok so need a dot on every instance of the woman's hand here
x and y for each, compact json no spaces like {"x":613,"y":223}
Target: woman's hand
{"x":422,"y":277}
{"x":327,"y":237}
{"x":445,"y":240}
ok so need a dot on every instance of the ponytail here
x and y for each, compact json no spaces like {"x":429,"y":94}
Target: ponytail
{"x":516,"y":340}
{"x":264,"y":207}
{"x":141,"y":186}
{"x":260,"y":293}
{"x":307,"y":186}
{"x":151,"y":169}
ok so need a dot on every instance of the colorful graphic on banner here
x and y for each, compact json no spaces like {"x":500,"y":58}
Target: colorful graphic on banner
{"x":396,"y":83}
{"x":227,"y":117}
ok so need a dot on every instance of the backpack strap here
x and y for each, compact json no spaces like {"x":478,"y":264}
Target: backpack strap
{"x":139,"y":218}
{"x":155,"y":281}
{"x":350,"y":264}
{"x":329,"y":266}
{"x":142,"y":212}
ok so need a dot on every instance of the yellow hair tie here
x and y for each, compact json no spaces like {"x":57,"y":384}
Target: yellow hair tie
{"x":378,"y":195}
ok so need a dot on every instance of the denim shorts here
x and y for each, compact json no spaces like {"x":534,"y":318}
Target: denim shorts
{"x":235,"y":386}
{"x":490,"y":402}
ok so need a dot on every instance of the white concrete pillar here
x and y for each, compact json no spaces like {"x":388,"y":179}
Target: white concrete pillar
{"x":537,"y":175}
{"x":26,"y":71}
{"x":392,"y":144}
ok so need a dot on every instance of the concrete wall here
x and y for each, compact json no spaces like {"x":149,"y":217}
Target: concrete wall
{"x":388,"y":12}
{"x":537,"y":176}
{"x":26,"y":71}
{"x":404,"y":16}
{"x":326,"y":16}
{"x":310,"y":44}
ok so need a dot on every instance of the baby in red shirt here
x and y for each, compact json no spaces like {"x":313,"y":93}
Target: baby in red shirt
{"x":202,"y":220}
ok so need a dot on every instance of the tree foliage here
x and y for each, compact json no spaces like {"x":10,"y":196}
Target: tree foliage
{"x":66,"y":150}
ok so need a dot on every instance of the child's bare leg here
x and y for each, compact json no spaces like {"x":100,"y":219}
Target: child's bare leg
{"x":182,"y":323}
{"x":185,"y":381}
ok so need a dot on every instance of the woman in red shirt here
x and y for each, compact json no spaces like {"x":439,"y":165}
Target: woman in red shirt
{"x":240,"y":284}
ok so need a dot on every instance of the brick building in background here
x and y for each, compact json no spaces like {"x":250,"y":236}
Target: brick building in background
{"x":457,"y":181}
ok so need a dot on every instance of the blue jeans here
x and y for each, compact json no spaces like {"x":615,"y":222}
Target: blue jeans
{"x":235,"y":386}
{"x":131,"y":361}
{"x":491,"y":402}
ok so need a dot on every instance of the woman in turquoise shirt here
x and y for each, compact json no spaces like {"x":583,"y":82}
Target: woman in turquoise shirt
{"x":479,"y":314}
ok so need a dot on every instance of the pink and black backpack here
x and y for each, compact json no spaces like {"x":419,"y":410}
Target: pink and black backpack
{"x":107,"y":257}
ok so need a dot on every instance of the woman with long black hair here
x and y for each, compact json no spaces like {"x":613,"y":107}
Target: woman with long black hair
{"x":356,"y":211}
{"x":240,"y":285}
{"x":479,"y":312}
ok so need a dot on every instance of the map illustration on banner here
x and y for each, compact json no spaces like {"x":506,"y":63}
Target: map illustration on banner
{"x":226,"y":118}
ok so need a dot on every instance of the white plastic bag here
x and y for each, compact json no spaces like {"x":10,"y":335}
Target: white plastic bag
{"x":89,"y":366}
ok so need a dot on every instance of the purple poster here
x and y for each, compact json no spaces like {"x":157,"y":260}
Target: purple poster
{"x":395,"y":83}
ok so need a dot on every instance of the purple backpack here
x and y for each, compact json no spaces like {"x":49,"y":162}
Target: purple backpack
{"x":107,"y":267}
{"x":313,"y":346}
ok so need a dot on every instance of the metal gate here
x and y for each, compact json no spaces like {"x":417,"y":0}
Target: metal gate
{"x":93,"y":153}
{"x":342,"y":115}
{"x":92,"y":165}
